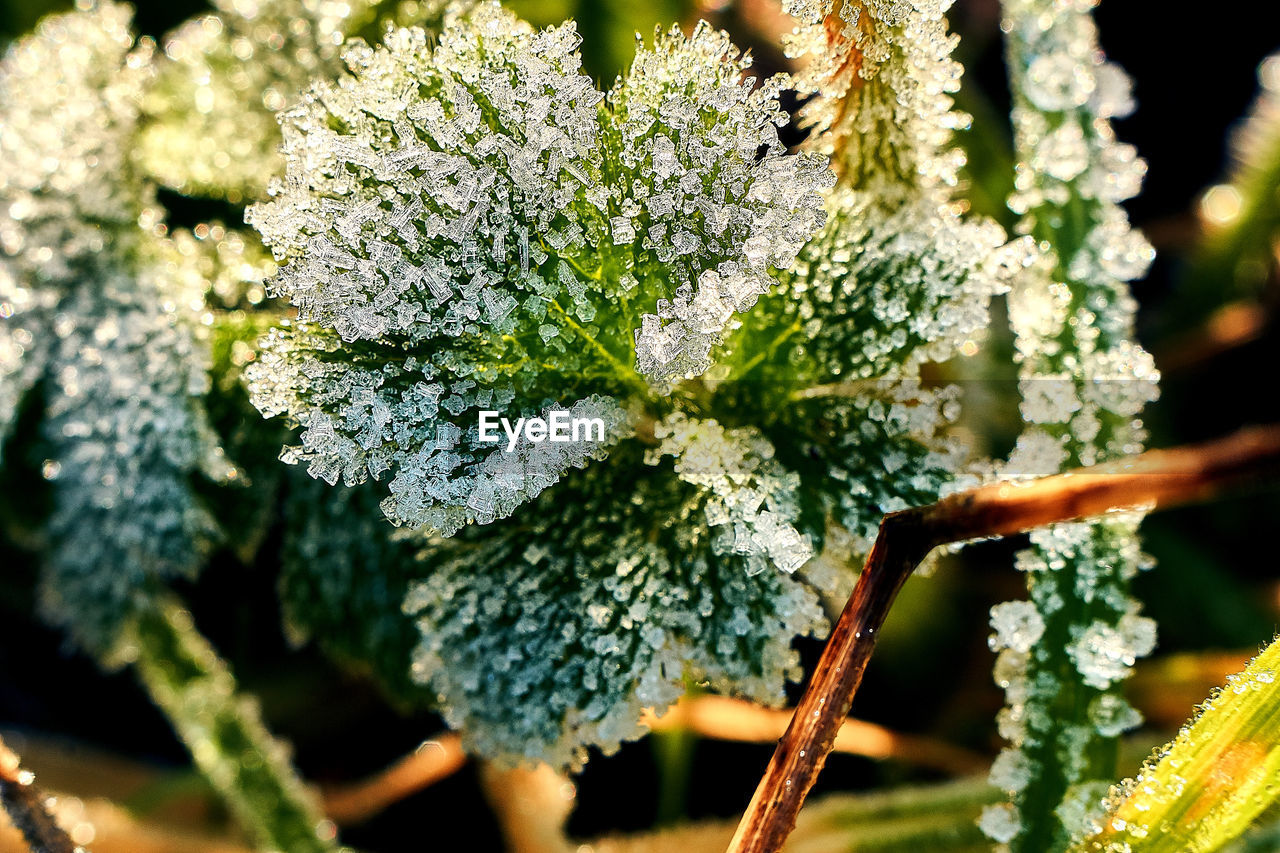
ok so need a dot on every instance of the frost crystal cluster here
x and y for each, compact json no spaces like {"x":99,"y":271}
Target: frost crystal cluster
{"x":604,"y":598}
{"x":883,"y":73}
{"x":458,"y":216}
{"x":1084,"y":383}
{"x":466,"y":223}
{"x":97,"y":310}
{"x":210,"y":117}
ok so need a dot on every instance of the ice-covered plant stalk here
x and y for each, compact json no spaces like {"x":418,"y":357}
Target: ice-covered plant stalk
{"x":1065,"y":652}
{"x":225,"y":733}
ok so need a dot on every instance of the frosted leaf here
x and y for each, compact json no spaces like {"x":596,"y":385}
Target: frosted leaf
{"x":68,"y":94}
{"x":540,"y":653}
{"x":753,"y":205}
{"x":105,"y":313}
{"x":884,"y":447}
{"x":879,"y":294}
{"x":1037,"y":454}
{"x":754,"y":509}
{"x":1018,"y":626}
{"x":22,"y":364}
{"x":1056,"y":82}
{"x":507,"y":478}
{"x":476,"y":242}
{"x":1064,"y":153}
{"x":344,"y":575}
{"x":211,"y":125}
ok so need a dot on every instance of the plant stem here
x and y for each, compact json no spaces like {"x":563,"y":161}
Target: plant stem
{"x":26,"y":807}
{"x":1084,"y":382}
{"x":225,"y":734}
{"x":432,"y":761}
{"x":1154,"y":479}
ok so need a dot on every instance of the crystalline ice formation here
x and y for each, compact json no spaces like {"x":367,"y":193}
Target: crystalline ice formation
{"x":549,"y":632}
{"x":883,"y":74}
{"x":1000,"y":822}
{"x":754,"y":505}
{"x":1018,"y":626}
{"x":211,"y":124}
{"x":878,"y":293}
{"x":470,"y":225}
{"x":1084,"y":383}
{"x":105,"y":314}
{"x":895,"y":279}
{"x":716,"y":181}
{"x":1105,"y":654}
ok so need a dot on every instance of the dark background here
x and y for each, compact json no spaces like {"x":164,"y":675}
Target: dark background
{"x":1215,"y":586}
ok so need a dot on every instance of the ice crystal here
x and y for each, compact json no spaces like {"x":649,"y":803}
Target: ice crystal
{"x":1018,"y":626}
{"x":1105,"y":654}
{"x":1000,"y":822}
{"x":753,"y":506}
{"x":456,"y":243}
{"x":594,"y":602}
{"x":883,"y":75}
{"x":1011,"y":771}
{"x":1084,"y":383}
{"x":104,"y":314}
{"x":211,"y":125}
{"x":1111,"y":715}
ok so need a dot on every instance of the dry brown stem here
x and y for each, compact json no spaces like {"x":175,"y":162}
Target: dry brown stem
{"x":1152,"y":480}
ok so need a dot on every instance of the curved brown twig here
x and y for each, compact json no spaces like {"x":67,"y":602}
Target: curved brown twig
{"x":26,"y":807}
{"x":432,"y":761}
{"x":1156,"y":479}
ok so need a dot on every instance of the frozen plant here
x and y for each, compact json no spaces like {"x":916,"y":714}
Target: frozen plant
{"x":209,"y":119}
{"x":103,"y":331}
{"x":1084,"y":383}
{"x":101,"y":316}
{"x":466,"y":223}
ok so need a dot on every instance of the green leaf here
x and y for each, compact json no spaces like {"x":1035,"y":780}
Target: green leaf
{"x":1207,"y":786}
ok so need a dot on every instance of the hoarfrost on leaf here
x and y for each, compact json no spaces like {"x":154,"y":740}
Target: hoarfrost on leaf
{"x":104,"y":311}
{"x":467,"y":224}
{"x":624,"y":599}
{"x":439,"y":253}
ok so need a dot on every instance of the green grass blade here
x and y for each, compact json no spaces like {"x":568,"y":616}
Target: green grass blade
{"x":1206,"y":787}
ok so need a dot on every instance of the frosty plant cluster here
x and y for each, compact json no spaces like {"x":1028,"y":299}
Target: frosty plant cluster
{"x":476,"y":253}
{"x":469,"y":228}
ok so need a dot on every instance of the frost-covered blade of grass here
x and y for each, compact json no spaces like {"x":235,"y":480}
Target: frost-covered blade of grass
{"x":1203,"y":790}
